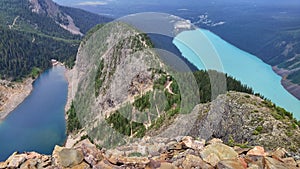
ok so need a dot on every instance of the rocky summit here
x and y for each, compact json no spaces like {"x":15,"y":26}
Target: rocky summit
{"x":157,"y":153}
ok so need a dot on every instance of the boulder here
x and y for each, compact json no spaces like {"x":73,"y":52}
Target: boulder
{"x":195,"y":161}
{"x":30,"y":164}
{"x":290,"y":161}
{"x":192,"y":143}
{"x":232,"y":164}
{"x":16,"y":161}
{"x":279,"y":153}
{"x":82,"y":165}
{"x":92,"y":155}
{"x":214,"y":141}
{"x":272,"y":163}
{"x":141,"y":161}
{"x":166,"y":165}
{"x":65,"y":157}
{"x":214,"y":153}
{"x":255,"y":161}
{"x":257,"y":151}
{"x":104,"y":164}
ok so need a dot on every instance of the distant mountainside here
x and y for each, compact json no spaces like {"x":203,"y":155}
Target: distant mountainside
{"x":271,"y":32}
{"x":34,"y":31}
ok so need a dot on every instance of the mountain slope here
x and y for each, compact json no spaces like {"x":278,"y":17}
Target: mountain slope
{"x":35,"y":31}
{"x":123,"y":91}
{"x":240,"y":119}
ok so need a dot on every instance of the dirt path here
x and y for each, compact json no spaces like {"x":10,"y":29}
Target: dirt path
{"x":14,"y":22}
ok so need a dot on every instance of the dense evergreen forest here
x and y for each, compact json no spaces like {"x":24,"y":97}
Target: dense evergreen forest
{"x":29,"y":40}
{"x":20,"y":53}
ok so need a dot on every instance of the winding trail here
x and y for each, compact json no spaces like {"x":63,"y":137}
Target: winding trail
{"x":14,"y":22}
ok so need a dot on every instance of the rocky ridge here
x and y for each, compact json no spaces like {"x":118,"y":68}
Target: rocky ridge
{"x":118,"y":90}
{"x":157,"y":153}
{"x":238,"y":119}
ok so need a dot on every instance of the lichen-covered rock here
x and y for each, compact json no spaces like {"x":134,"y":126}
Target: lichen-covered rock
{"x":195,"y":161}
{"x":214,"y":153}
{"x":65,"y":157}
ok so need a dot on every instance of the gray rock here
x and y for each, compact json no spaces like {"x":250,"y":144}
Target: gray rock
{"x":69,"y":157}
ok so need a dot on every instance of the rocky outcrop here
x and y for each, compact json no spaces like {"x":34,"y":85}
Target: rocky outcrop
{"x":237,"y":119}
{"x":12,"y":94}
{"x":241,"y":118}
{"x":157,"y":153}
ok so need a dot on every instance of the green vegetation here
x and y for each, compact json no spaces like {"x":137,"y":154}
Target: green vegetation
{"x":172,"y":107}
{"x":73,"y":123}
{"x":35,"y":72}
{"x":281,"y":114}
{"x":35,"y":39}
{"x":135,"y":154}
{"x":125,"y":126}
{"x":295,"y":77}
{"x":91,"y":32}
{"x":258,"y":130}
{"x":203,"y":80}
{"x":21,"y":53}
{"x":99,"y":79}
{"x":231,"y":142}
{"x":143,"y":102}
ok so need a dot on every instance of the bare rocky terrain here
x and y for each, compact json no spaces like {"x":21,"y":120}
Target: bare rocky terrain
{"x":157,"y":153}
{"x":12,"y":94}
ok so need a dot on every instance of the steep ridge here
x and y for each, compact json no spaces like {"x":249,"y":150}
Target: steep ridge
{"x":122,"y":92}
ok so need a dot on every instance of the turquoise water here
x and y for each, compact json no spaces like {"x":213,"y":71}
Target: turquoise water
{"x":38,"y":124}
{"x":208,"y":51}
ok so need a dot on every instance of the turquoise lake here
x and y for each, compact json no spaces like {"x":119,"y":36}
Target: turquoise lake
{"x":208,"y":51}
{"x":38,"y":123}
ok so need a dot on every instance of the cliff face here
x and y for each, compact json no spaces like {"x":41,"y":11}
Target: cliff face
{"x":114,"y":67}
{"x":159,"y":153}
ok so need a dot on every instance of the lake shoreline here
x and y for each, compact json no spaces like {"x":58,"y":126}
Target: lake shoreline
{"x":15,"y":96}
{"x":291,"y":87}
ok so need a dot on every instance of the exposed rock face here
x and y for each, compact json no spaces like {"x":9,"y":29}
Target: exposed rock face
{"x":12,"y":94}
{"x":120,"y":59}
{"x":51,"y":9}
{"x":241,"y":118}
{"x":171,"y":154}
